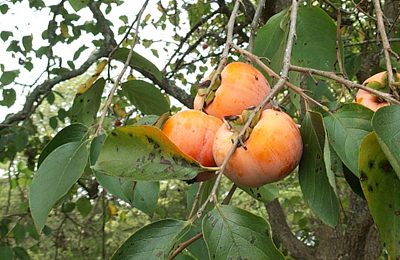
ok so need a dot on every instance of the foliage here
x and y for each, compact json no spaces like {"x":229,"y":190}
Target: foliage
{"x":85,"y":171}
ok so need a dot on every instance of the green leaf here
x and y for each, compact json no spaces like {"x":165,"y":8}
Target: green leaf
{"x":198,"y":249}
{"x":53,"y":122}
{"x":27,"y":42}
{"x":144,"y":153}
{"x":78,"y":4}
{"x":4,"y":35}
{"x":154,"y":241}
{"x":21,"y":253}
{"x":346,"y":129}
{"x":6,"y":253}
{"x":270,"y":41}
{"x":145,"y":97}
{"x":9,"y":97}
{"x":4,"y":8}
{"x":19,"y":233}
{"x":233,"y":233}
{"x":204,"y":193}
{"x":145,"y":196}
{"x":138,"y":63}
{"x":386,"y":123}
{"x":117,"y":186}
{"x":313,"y":178}
{"x":79,"y":51}
{"x":84,"y":206}
{"x":265,"y":193}
{"x":8,"y":77}
{"x":71,"y":133}
{"x":382,"y":191}
{"x":55,"y":176}
{"x":315,"y":44}
{"x":85,"y":107}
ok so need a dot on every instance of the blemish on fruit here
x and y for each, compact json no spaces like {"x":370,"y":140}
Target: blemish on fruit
{"x":255,"y":76}
{"x":390,"y":206}
{"x":370,"y":188}
{"x":114,"y":134}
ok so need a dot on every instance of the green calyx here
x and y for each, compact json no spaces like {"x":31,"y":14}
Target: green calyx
{"x":206,"y":90}
{"x":236,"y":123}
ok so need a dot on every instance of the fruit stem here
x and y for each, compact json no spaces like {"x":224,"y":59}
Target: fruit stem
{"x":224,"y":56}
{"x":386,"y":46}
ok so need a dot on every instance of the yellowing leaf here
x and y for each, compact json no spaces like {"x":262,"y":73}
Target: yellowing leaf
{"x":119,"y":111}
{"x":89,"y":83}
{"x":145,"y":153}
{"x":64,"y":30}
{"x":112,"y":209}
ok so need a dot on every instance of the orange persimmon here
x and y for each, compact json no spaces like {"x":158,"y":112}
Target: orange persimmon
{"x":193,"y":132}
{"x":242,"y":86}
{"x":369,"y":100}
{"x":270,"y":153}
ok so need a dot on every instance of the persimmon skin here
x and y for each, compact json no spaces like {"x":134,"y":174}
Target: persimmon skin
{"x":370,"y":100}
{"x":193,"y":132}
{"x":242,"y":86}
{"x":274,"y":149}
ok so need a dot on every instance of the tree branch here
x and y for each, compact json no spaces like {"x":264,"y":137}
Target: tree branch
{"x":348,"y":83}
{"x":36,"y":97}
{"x":386,"y":46}
{"x":281,"y":230}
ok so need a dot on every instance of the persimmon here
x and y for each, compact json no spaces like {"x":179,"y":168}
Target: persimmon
{"x":241,"y":86}
{"x":193,"y":132}
{"x":272,"y":150}
{"x":369,"y":100}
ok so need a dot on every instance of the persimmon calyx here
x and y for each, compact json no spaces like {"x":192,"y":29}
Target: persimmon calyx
{"x":236,"y":123}
{"x":207,"y":91}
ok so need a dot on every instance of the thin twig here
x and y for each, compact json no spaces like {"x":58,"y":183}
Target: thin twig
{"x":224,"y":56}
{"x":196,"y":200}
{"x":254,"y":25}
{"x":192,"y":30}
{"x":386,"y":46}
{"x":185,"y":244}
{"x":9,"y":185}
{"x":273,"y":74}
{"x":348,"y":83}
{"x":121,"y":74}
{"x":368,"y":42}
{"x":229,"y":195}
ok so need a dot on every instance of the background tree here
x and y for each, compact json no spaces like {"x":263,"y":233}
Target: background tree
{"x":95,"y":69}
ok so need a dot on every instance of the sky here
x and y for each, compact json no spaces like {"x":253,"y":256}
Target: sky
{"x":26,"y":21}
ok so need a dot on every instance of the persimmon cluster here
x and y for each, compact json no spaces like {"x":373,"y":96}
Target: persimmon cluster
{"x":272,"y":146}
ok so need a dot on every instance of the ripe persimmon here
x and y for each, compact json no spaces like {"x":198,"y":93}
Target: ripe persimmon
{"x":272,"y":150}
{"x":241,"y":86}
{"x":193,"y":132}
{"x":369,"y":100}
